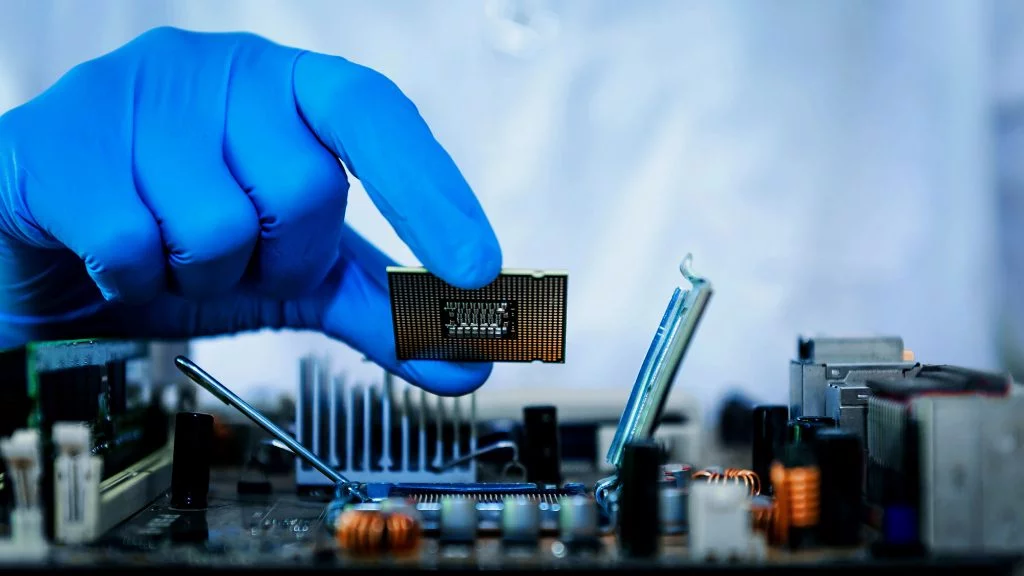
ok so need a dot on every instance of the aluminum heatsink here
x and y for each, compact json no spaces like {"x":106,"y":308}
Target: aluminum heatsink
{"x":381,"y":432}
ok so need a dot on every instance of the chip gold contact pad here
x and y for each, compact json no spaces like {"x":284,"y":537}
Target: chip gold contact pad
{"x":519,"y":317}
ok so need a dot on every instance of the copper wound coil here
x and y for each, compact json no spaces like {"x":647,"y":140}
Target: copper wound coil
{"x":763,"y":517}
{"x":802,"y":485}
{"x":373,"y":531}
{"x":746,"y":477}
{"x":780,"y":512}
{"x":797,"y":500}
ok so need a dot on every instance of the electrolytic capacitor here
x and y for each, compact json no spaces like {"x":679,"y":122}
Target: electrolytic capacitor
{"x":804,"y":428}
{"x":190,"y":470}
{"x":541,"y":451}
{"x":458,"y":520}
{"x":840,"y":461}
{"x":520,"y":520}
{"x":577,"y":520}
{"x":673,"y":510}
{"x":769,"y":440}
{"x":683,"y":476}
{"x":639,"y":499}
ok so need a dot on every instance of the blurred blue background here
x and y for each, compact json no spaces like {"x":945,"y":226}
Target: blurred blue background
{"x":843,"y":167}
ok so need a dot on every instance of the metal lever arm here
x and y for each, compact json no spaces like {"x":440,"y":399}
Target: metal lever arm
{"x":499,"y":445}
{"x":202,"y":378}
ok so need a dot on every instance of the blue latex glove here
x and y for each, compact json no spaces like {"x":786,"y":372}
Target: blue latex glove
{"x":188,"y":184}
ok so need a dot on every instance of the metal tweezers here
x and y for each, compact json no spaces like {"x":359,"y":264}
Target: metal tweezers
{"x":343,"y":486}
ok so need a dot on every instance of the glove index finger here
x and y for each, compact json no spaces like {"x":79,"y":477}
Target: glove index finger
{"x":368,"y":122}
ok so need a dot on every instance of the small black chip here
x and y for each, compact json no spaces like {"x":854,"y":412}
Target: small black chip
{"x":494,"y":320}
{"x":520,"y":317}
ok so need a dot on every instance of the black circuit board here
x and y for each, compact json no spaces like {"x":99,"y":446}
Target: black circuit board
{"x":106,"y":384}
{"x":520,"y":317}
{"x":283,"y":532}
{"x":244,"y":531}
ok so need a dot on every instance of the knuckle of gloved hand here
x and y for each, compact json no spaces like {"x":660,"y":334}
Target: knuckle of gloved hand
{"x":210,"y":235}
{"x":314,"y":193}
{"x":162,"y":36}
{"x":308,"y":216}
{"x":165,"y":46}
{"x":129,"y":246}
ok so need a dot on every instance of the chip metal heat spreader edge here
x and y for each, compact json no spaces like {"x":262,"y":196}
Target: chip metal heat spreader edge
{"x":519,"y":317}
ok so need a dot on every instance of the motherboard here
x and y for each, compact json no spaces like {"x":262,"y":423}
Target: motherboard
{"x":879,"y":460}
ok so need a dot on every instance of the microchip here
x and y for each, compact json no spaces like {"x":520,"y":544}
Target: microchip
{"x":519,"y":317}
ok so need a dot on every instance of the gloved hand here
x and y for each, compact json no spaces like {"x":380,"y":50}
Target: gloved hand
{"x":188,"y":184}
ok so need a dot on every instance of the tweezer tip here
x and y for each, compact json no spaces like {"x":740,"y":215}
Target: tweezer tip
{"x":185,"y":365}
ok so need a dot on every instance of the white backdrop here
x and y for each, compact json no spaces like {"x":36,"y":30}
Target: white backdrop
{"x":828,"y":163}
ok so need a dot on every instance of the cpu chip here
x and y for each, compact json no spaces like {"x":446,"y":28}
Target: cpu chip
{"x":519,"y":317}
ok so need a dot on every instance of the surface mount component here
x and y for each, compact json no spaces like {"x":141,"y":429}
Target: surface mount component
{"x":520,"y":520}
{"x":577,"y":520}
{"x":490,"y":499}
{"x":519,"y":317}
{"x":647,"y":400}
{"x":459,"y":520}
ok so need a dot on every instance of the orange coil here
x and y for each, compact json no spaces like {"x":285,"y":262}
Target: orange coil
{"x":403,"y":532}
{"x":797,"y":500}
{"x":780,"y":517}
{"x":372,"y":531}
{"x":802,"y":485}
{"x":762,"y":518}
{"x":746,"y":477}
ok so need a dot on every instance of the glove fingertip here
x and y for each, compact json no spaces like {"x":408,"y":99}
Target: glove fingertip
{"x":472,"y":265}
{"x":446,"y":378}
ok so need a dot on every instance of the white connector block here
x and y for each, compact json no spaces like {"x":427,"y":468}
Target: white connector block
{"x":77,"y":484}
{"x":22,"y":457}
{"x":720,"y":523}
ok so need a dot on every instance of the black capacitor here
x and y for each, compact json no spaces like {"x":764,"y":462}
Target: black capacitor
{"x":541,"y":452}
{"x":840,"y":462}
{"x":804,"y":428}
{"x":734,"y":424}
{"x":638,"y":515}
{"x":190,"y":471}
{"x":769,"y":440}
